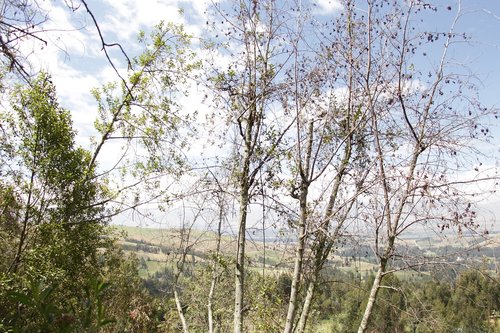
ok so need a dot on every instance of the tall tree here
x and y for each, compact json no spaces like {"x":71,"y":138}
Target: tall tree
{"x":49,"y":204}
{"x":246,"y":89}
{"x":330,"y":160}
{"x":424,"y":122}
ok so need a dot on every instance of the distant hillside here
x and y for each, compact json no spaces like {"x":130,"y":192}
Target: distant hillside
{"x":158,"y":248}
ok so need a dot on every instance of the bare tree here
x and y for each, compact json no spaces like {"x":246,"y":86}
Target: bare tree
{"x":20,"y":21}
{"x":424,"y":122}
{"x":187,"y":241}
{"x":246,"y":89}
{"x":329,"y":161}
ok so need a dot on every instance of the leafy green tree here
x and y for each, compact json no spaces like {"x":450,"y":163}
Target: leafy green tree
{"x":9,"y":224}
{"x":474,"y":298}
{"x":59,"y":195}
{"x":427,"y":307}
{"x":61,"y":263}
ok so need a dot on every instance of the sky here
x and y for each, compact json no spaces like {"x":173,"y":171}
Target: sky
{"x":76,"y":61}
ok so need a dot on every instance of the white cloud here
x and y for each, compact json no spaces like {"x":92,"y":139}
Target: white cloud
{"x":72,"y":56}
{"x":328,"y":6}
{"x":127,"y":17}
{"x":67,"y":31}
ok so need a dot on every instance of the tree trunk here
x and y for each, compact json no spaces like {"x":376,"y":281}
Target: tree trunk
{"x":306,"y":308}
{"x":180,"y":311}
{"x":209,"y":306}
{"x":24,"y":232}
{"x":373,"y":296}
{"x":299,"y":252}
{"x":299,"y":258}
{"x":240,"y":262}
{"x":214,"y":268}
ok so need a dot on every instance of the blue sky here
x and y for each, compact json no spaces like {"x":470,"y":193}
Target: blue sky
{"x":77,"y":62}
{"x":481,"y":21}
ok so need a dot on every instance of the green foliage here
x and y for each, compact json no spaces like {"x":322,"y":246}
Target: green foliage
{"x":47,"y":315}
{"x":265,"y":308}
{"x":195,"y":295}
{"x":38,"y":298}
{"x":470,"y":306}
{"x":61,"y":271}
{"x":419,"y":305}
{"x":144,"y":110}
{"x":95,"y":316}
{"x":9,"y":224}
{"x":267,"y":312}
{"x":47,"y":188}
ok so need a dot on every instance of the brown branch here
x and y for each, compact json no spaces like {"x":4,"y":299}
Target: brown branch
{"x":106,"y":45}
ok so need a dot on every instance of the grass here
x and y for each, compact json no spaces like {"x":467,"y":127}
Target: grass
{"x":200,"y":243}
{"x":358,"y":266}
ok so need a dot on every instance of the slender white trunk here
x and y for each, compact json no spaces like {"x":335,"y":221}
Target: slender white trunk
{"x":373,"y":296}
{"x":209,"y":305}
{"x":306,"y":308}
{"x":214,"y":268}
{"x":252,"y":124}
{"x":180,"y":311}
{"x":302,"y":233}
